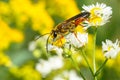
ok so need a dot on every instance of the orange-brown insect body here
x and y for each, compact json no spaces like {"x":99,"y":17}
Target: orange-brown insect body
{"x":69,"y":25}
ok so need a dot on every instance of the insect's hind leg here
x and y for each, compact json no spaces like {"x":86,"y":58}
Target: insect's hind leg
{"x":75,"y":33}
{"x":84,"y":24}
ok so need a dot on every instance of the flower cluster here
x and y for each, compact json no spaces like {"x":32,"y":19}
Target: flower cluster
{"x":100,"y":14}
{"x":69,"y":75}
{"x":46,"y":66}
{"x":110,"y":49}
{"x":72,"y":41}
{"x":77,"y":41}
{"x":8,"y":35}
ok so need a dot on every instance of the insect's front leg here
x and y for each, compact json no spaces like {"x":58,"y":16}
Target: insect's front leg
{"x":58,"y":41}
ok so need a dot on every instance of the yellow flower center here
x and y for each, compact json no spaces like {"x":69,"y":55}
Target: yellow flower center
{"x":110,"y":47}
{"x":95,"y":17}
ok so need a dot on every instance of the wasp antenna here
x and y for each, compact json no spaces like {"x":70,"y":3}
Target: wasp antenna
{"x":36,"y":38}
{"x":47,"y":43}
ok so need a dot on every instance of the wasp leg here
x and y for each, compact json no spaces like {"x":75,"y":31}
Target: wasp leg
{"x":86,"y":19}
{"x":61,"y":39}
{"x":77,"y":37}
{"x":70,"y":47}
{"x":47,"y":43}
{"x":81,"y":25}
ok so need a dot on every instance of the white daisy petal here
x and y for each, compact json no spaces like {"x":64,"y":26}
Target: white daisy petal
{"x":55,"y":48}
{"x":110,"y":49}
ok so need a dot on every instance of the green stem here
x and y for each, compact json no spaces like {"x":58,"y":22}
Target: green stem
{"x":101,"y":67}
{"x":84,"y":55}
{"x":78,"y":69}
{"x":94,"y":48}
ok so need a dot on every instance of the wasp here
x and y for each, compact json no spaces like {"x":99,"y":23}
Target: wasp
{"x":67,"y":26}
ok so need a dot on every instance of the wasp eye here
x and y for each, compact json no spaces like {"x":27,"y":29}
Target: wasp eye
{"x":55,"y":34}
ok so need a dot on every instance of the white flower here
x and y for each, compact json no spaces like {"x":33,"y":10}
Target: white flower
{"x":46,"y":66}
{"x":110,"y":49}
{"x":68,"y":75}
{"x":55,"y":48}
{"x":78,"y":40}
{"x":55,"y":62}
{"x":43,"y":67}
{"x":100,"y":14}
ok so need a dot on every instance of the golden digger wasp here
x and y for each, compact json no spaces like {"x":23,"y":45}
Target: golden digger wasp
{"x":67,"y":26}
